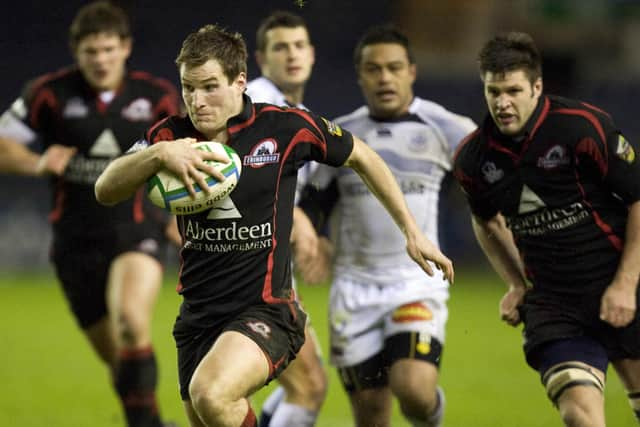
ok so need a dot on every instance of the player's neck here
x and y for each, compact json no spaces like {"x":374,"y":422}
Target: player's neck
{"x":294,"y":96}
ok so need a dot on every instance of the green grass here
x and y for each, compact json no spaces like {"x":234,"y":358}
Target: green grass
{"x":49,"y":377}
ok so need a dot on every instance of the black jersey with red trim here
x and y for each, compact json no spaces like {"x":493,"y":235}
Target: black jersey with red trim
{"x":237,"y":254}
{"x":564,"y":188}
{"x":63,"y":109}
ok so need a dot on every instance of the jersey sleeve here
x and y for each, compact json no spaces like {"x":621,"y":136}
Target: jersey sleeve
{"x":604,"y":151}
{"x":31,"y":114}
{"x":464,"y":173}
{"x":327,"y":142}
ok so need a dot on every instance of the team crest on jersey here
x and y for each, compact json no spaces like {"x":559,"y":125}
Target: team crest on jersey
{"x":554,"y":157}
{"x":263,"y":153}
{"x":333,"y":128}
{"x":75,"y":108}
{"x":625,"y":150}
{"x":260,"y":328}
{"x":413,"y":312}
{"x":491,"y":172}
{"x":138,"y":110}
{"x":418,"y":142}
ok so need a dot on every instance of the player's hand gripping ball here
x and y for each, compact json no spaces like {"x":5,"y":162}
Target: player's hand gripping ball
{"x":167,"y":191}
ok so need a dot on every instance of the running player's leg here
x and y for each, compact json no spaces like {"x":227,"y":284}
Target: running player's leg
{"x":413,"y":348}
{"x":234,"y":368}
{"x":629,"y":372}
{"x":133,"y":285}
{"x":573,"y":374}
{"x":305,"y":386}
{"x":369,"y":394}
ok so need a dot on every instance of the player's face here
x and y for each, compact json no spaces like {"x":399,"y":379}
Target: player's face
{"x":102,"y":58}
{"x":288,"y":57}
{"x":210,"y":98}
{"x":386,"y":78}
{"x":511,"y":99}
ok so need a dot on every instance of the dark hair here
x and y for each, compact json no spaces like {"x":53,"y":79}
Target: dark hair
{"x":381,"y":34}
{"x":509,"y":52}
{"x":98,"y":17}
{"x":277,"y":19}
{"x":213,"y":42}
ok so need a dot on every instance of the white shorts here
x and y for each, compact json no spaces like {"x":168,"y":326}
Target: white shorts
{"x":363,"y":315}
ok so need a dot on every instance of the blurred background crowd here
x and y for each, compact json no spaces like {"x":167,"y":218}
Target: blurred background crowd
{"x":589,"y":48}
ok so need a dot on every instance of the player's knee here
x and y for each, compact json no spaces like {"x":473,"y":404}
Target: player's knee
{"x":207,"y":398}
{"x":575,"y":413}
{"x":132,"y":329}
{"x":564,"y":376}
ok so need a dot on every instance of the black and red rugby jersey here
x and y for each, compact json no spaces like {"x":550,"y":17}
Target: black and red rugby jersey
{"x":564,"y":188}
{"x":237,"y":254}
{"x":63,"y":109}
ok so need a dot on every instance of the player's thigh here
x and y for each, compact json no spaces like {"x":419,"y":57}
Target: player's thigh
{"x":133,"y":284}
{"x":413,"y":378}
{"x":574,"y":367}
{"x":629,"y":372}
{"x":371,"y":407}
{"x":192,"y":416}
{"x":306,"y":375}
{"x":234,"y":368}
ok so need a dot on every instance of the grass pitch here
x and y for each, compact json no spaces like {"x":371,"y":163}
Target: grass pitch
{"x":49,"y":376}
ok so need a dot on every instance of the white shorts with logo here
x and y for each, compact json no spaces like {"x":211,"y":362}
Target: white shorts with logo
{"x":363,"y":314}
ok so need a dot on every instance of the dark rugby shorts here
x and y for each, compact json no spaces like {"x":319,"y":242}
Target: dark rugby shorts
{"x":278,"y":329}
{"x":550,"y":318}
{"x":82,"y":266}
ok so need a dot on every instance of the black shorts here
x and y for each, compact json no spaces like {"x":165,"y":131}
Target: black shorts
{"x":374,"y":372}
{"x":82,"y":266}
{"x":277,"y":328}
{"x":551,"y":317}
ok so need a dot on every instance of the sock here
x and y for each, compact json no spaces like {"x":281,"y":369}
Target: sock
{"x":135,"y":381}
{"x":288,"y":414}
{"x":634,"y":401}
{"x":250,"y":418}
{"x":269,"y":406}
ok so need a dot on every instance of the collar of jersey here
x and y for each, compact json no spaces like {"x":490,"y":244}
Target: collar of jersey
{"x":246,"y":117}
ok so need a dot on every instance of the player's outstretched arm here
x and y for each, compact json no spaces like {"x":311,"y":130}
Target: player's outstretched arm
{"x":17,"y":159}
{"x":497,"y":243}
{"x":377,"y":176}
{"x":127,"y":173}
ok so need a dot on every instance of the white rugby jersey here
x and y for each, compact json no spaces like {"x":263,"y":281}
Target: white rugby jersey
{"x":418,"y":148}
{"x":262,"y":89}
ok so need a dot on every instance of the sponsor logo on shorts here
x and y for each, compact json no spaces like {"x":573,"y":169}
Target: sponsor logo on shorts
{"x":625,"y":150}
{"x":260,"y":328}
{"x":423,"y":346}
{"x":263,"y":153}
{"x":413,"y":312}
{"x":149,"y":246}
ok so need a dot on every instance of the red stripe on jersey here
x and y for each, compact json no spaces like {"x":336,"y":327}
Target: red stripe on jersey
{"x":464,"y":142}
{"x":138,"y":212}
{"x":167,"y":106}
{"x":593,"y":107}
{"x":590,"y":147}
{"x":587,"y":115}
{"x":303,"y":136}
{"x":58,"y":207}
{"x":541,"y":117}
{"x":43,"y":97}
{"x":153,"y":128}
{"x":248,"y":122}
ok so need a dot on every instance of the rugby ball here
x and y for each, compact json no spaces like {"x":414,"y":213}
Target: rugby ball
{"x":167,"y":191}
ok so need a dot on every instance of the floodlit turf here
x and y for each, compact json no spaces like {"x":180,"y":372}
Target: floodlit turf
{"x":49,"y":377}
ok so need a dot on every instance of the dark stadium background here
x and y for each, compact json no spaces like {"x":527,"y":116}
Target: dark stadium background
{"x":589,"y":48}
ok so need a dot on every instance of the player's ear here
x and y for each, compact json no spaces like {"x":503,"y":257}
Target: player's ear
{"x":241,"y":81}
{"x":127,"y":46}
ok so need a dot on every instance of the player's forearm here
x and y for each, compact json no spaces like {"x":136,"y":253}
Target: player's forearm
{"x":17,"y":159}
{"x":122,"y":178}
{"x":376,"y":175}
{"x":628,"y":272}
{"x":496,"y":242}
